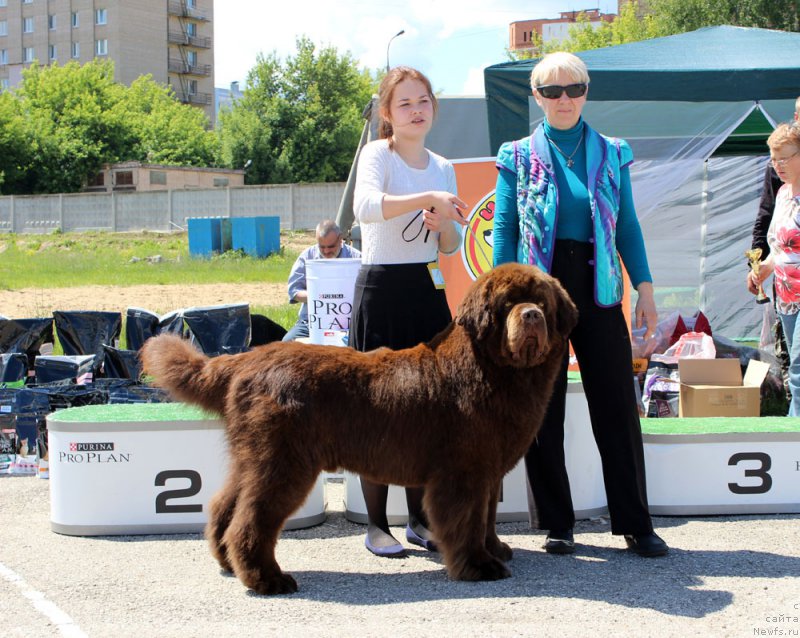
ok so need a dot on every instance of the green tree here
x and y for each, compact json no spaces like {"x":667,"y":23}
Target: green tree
{"x":626,"y":27}
{"x":161,"y":130}
{"x":15,"y":146}
{"x":66,"y":113}
{"x":667,"y":17}
{"x":299,"y":119}
{"x":62,"y":123}
{"x":678,"y":16}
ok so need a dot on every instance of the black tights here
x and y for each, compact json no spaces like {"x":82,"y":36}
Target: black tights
{"x":375,"y":495}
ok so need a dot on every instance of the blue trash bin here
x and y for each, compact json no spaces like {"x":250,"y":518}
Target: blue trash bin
{"x":208,"y":235}
{"x":256,"y":236}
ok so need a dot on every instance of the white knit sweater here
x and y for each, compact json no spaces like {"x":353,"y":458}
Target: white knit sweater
{"x":383,"y":172}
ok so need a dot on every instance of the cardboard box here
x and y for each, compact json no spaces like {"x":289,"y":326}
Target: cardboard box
{"x":714,"y":387}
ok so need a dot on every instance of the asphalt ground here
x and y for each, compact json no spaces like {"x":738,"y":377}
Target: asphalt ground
{"x":725,"y":576}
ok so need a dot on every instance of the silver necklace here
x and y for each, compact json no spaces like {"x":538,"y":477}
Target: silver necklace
{"x":570,"y":161}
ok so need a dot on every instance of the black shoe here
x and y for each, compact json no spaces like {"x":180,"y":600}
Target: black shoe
{"x":647,"y":545}
{"x":559,"y":541}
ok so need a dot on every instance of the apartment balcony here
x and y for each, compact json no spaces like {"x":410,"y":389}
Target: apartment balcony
{"x":203,"y":99}
{"x":178,"y":8}
{"x":182,"y":68}
{"x":176,"y":37}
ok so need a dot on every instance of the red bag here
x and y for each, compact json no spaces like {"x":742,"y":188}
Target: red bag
{"x":696,"y":323}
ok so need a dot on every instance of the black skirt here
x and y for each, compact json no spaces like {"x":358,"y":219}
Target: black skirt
{"x":396,"y":306}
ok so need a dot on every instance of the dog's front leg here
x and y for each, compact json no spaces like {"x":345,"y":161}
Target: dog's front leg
{"x":458,"y":509}
{"x":494,"y":545}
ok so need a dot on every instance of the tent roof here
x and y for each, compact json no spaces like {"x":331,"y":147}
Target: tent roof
{"x":461,"y":129}
{"x":712,"y":64}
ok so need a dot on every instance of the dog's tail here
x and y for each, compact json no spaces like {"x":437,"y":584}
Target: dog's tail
{"x":185,"y":372}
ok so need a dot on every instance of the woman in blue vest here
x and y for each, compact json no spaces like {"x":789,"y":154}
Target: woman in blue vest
{"x":564,"y":204}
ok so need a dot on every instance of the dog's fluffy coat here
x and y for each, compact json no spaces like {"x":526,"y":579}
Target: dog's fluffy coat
{"x":454,"y":414}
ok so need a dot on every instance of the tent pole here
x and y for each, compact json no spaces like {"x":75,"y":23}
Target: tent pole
{"x":703,"y":238}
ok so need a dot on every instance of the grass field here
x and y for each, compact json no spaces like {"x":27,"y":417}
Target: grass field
{"x":65,"y":260}
{"x":78,"y":259}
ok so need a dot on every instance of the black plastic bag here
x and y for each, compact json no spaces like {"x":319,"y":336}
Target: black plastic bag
{"x":13,"y":368}
{"x":26,"y":335}
{"x":60,"y":396}
{"x":78,"y":369}
{"x":121,"y":364}
{"x":86,"y":331}
{"x":141,"y":324}
{"x":129,"y":391}
{"x":220,"y":329}
{"x":264,"y":330}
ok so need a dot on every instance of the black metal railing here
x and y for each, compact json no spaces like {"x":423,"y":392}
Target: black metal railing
{"x":176,"y":37}
{"x":183,"y":68}
{"x":178,"y":8}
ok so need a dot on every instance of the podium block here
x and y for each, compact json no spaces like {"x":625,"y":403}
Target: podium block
{"x":723,"y":465}
{"x":142,"y":469}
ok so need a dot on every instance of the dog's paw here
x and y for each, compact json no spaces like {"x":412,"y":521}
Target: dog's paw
{"x":489,"y":568}
{"x":498,"y":549}
{"x":279,"y":583}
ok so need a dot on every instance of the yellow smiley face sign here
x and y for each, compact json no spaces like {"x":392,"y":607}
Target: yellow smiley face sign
{"x":477,"y":247}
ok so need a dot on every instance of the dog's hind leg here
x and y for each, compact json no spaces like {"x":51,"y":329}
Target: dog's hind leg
{"x":494,"y":545}
{"x":458,"y":509}
{"x":220,"y":513}
{"x":268,"y":495}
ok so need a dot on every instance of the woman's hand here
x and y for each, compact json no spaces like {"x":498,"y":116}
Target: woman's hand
{"x":765,"y":269}
{"x":442,"y":208}
{"x":645,"y":312}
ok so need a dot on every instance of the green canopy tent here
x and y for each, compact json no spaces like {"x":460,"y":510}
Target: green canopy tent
{"x":696,"y":108}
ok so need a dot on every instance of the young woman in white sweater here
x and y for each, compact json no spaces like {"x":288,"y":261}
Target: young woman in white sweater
{"x":408,"y":210}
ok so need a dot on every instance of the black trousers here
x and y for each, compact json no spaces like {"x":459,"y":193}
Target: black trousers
{"x":602,"y":347}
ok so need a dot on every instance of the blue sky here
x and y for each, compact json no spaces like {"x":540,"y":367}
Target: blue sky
{"x":450,"y":40}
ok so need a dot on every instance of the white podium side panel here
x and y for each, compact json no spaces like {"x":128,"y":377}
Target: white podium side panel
{"x":752,"y":473}
{"x":143,"y":478}
{"x":512,"y":506}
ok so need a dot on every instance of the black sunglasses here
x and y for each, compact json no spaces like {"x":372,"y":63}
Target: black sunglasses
{"x":554,"y":91}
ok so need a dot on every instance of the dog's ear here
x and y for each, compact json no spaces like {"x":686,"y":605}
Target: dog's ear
{"x":474,"y":311}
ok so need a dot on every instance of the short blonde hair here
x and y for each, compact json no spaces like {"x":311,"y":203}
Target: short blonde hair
{"x":797,"y":108}
{"x":552,"y":63}
{"x":784,"y":135}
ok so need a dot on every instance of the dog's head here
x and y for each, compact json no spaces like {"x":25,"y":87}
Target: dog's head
{"x":518,"y":314}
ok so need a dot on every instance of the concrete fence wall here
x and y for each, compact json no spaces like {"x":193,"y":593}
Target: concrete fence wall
{"x":300,"y":206}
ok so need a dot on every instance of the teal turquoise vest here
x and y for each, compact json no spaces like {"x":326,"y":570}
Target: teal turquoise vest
{"x":537,"y":204}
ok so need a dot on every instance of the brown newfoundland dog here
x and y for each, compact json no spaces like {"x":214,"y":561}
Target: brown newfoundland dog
{"x":454,"y":414}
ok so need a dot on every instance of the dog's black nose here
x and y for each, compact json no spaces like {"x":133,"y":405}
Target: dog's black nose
{"x":532,"y":315}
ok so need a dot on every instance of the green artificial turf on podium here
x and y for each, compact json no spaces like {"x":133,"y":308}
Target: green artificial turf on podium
{"x":132,"y":413}
{"x":149,"y":412}
{"x":721,"y":425}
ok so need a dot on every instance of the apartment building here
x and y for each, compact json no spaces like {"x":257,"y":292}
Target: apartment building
{"x":173,"y":40}
{"x":521,"y":34}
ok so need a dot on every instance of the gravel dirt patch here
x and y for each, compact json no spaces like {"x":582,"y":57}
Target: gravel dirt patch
{"x":40,"y":302}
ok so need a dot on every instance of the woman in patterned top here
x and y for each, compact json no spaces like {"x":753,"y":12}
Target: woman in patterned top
{"x":564,"y":204}
{"x":783,"y":238}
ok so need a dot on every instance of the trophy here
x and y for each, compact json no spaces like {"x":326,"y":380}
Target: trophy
{"x":754,"y":257}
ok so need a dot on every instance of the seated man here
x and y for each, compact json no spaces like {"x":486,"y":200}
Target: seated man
{"x":329,"y":246}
